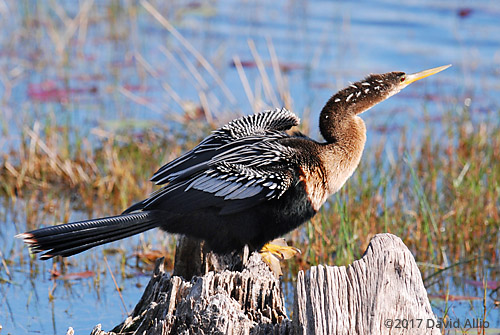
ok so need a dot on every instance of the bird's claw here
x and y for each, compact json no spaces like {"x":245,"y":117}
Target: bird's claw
{"x":276,"y":251}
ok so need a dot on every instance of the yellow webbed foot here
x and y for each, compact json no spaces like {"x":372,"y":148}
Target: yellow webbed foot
{"x":276,"y":251}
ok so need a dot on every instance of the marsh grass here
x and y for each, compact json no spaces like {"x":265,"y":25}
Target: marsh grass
{"x":441,"y":196}
{"x":439,"y":193}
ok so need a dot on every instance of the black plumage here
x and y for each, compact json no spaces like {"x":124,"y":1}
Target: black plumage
{"x":247,"y":183}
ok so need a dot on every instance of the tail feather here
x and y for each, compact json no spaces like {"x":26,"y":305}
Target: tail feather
{"x":74,"y":246}
{"x":70,"y":249}
{"x":72,"y":238}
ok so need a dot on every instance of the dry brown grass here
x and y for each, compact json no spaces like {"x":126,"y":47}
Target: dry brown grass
{"x":441,"y":198}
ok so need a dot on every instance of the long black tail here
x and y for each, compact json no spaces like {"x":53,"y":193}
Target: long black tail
{"x":72,"y":238}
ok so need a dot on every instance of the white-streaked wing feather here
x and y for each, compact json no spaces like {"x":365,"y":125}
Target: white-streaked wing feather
{"x":267,"y":125}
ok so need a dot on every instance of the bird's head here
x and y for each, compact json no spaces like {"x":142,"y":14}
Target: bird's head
{"x":375,"y":88}
{"x":363,"y":95}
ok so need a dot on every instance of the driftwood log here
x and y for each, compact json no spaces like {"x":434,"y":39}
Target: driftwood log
{"x":385,"y":284}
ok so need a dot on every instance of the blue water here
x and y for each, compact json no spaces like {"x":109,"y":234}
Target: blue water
{"x":80,"y":303}
{"x":117,"y":67}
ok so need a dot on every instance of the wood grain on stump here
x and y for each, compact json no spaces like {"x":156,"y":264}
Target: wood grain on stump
{"x":385,"y":284}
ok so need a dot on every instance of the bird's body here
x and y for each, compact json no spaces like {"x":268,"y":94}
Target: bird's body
{"x":247,"y":183}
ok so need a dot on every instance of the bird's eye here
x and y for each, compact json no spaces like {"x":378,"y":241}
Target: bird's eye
{"x":403,"y":78}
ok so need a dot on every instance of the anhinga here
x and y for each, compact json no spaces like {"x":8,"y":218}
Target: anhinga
{"x":248,"y":182}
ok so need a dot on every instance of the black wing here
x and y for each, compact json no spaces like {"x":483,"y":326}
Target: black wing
{"x":238,"y":166}
{"x":268,"y":124}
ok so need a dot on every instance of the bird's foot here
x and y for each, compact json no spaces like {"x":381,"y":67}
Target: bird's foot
{"x":276,"y":251}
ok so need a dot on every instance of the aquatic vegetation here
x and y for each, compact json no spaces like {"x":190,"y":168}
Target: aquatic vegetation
{"x":423,"y":196}
{"x":96,"y":97}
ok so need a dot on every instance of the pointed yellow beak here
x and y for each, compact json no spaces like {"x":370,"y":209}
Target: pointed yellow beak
{"x":410,"y":78}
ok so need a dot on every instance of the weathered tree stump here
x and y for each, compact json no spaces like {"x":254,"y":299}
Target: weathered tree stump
{"x":246,"y":301}
{"x":367,"y":297}
{"x":193,"y":259}
{"x":385,"y":284}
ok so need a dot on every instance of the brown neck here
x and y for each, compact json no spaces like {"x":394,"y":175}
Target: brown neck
{"x":338,"y":123}
{"x":338,"y":113}
{"x":342,"y":156}
{"x":350,"y":133}
{"x":342,"y":128}
{"x":345,"y":134}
